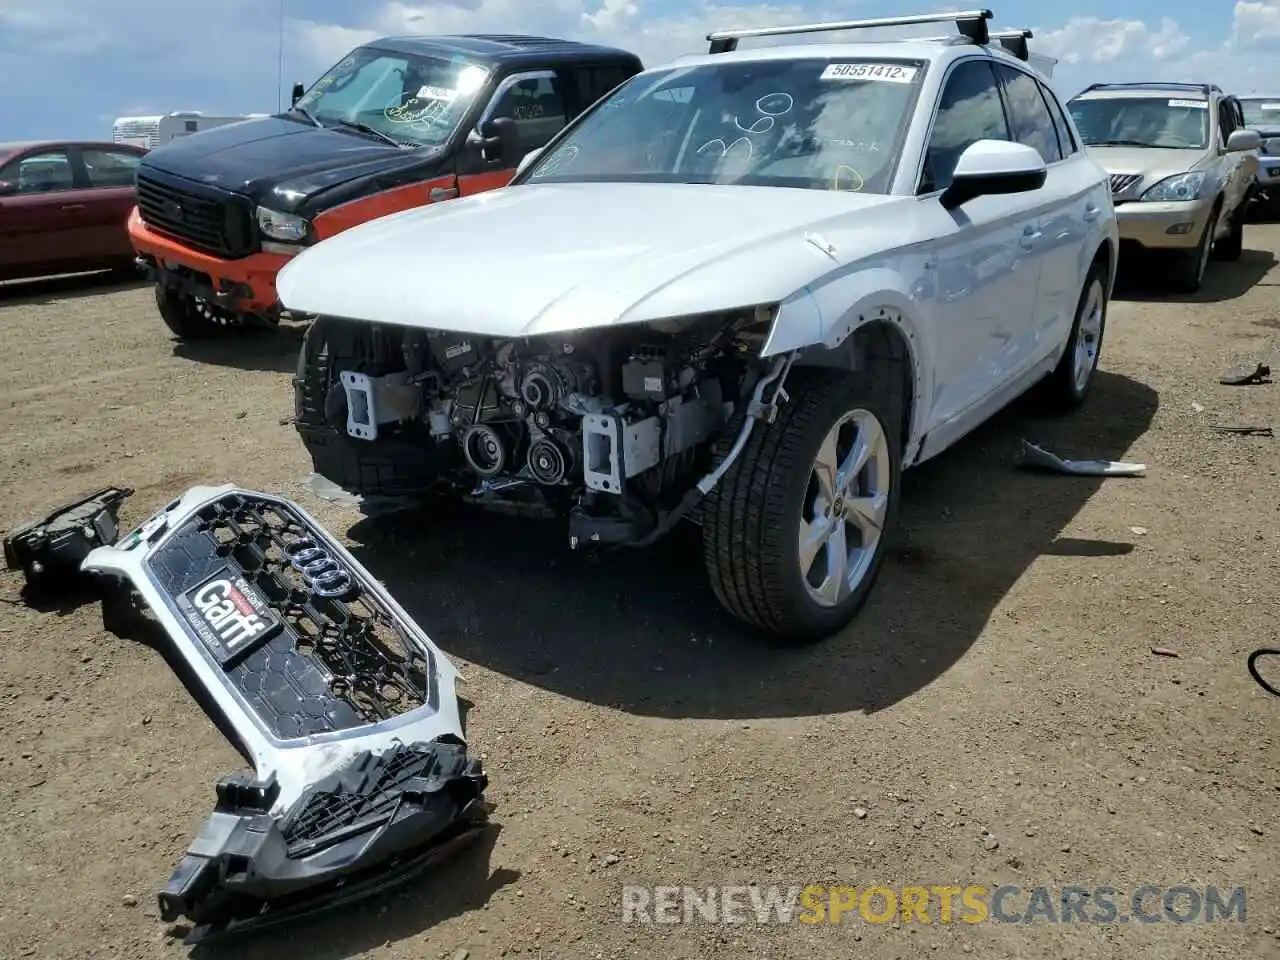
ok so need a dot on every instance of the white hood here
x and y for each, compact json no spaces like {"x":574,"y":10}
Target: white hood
{"x":537,"y":259}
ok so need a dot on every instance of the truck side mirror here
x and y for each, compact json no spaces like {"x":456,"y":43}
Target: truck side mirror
{"x":499,"y":140}
{"x":298,"y":91}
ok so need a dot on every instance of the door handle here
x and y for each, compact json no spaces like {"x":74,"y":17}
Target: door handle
{"x":1029,"y":237}
{"x":72,"y":207}
{"x":442,"y":193}
{"x":1091,"y":213}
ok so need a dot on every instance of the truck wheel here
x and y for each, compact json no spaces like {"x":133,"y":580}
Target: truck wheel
{"x":190,"y":318}
{"x":1189,"y":268}
{"x":397,"y":464}
{"x":795,"y":532}
{"x":1068,"y":385}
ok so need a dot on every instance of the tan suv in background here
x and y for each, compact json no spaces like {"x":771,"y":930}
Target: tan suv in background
{"x":1182,"y":168}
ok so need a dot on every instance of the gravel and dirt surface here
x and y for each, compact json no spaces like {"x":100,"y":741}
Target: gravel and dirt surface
{"x":995,"y":716}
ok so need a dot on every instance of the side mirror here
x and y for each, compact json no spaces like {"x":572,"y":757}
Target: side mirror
{"x":298,"y":91}
{"x":499,"y":140}
{"x":527,"y":159}
{"x":7,"y":189}
{"x":1244,"y":140}
{"x":994,"y":167}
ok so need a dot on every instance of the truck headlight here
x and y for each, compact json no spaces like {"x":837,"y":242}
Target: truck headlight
{"x":1182,"y":186}
{"x":282,"y":226}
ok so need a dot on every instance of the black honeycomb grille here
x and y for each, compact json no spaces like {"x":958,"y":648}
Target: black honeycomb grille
{"x":339,"y":662}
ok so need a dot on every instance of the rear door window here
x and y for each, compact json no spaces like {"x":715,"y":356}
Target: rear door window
{"x":595,"y":82}
{"x":110,"y":168}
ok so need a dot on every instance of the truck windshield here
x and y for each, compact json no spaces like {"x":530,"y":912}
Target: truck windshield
{"x":1174,"y":123}
{"x":814,"y":124}
{"x":1262,"y":113}
{"x":411,"y":99}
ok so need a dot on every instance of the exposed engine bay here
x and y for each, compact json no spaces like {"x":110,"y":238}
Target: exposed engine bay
{"x":609,"y":427}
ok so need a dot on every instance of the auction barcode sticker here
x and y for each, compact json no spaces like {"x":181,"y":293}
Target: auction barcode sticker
{"x":437,"y":93}
{"x":890,"y":72}
{"x":1195,"y":104}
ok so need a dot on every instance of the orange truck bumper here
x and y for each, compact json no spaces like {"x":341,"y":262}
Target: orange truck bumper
{"x":247,"y":285}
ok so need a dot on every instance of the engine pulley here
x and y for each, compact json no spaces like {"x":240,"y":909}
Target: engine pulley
{"x":484,"y":450}
{"x":547,"y":461}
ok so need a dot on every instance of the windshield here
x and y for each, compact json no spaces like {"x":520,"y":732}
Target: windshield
{"x":1261,"y":113}
{"x":1142,"y":122}
{"x":816,"y":124}
{"x":411,"y":99}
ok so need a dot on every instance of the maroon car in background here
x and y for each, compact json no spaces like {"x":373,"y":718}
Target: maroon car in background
{"x":64,"y":207}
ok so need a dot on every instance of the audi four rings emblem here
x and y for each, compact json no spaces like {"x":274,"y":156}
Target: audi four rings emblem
{"x":322,"y":573}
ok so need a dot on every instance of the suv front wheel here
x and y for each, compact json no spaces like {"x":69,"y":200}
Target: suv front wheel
{"x":795,"y":533}
{"x":1189,"y":268}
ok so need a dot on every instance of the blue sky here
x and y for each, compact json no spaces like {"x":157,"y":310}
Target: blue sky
{"x":71,"y":66}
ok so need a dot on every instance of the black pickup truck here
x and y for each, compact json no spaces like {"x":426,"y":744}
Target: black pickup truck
{"x":398,"y":123}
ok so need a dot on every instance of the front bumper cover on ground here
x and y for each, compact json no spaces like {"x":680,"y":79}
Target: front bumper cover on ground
{"x":345,"y":708}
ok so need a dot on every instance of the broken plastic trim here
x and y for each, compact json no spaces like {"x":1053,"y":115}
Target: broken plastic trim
{"x":55,"y":544}
{"x":1031,"y":457}
{"x":345,"y":708}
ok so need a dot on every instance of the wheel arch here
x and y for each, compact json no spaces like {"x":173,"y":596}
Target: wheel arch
{"x":878,"y":336}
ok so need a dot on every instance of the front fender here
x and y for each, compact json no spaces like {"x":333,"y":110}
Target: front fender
{"x":826,"y":314}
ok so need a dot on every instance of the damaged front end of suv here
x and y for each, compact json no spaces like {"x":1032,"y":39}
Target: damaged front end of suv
{"x":611,"y":428}
{"x":345,"y":709}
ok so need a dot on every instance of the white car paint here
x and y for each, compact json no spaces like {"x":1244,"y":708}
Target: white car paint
{"x":986,"y":294}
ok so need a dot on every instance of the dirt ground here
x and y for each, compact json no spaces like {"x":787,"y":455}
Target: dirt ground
{"x":995,"y":716}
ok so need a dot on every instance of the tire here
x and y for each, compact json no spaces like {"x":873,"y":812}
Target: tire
{"x":1067,"y":387}
{"x":1190,"y":267}
{"x":388,"y":466}
{"x":191,"y":319}
{"x":1230,"y":247}
{"x":752,"y":520}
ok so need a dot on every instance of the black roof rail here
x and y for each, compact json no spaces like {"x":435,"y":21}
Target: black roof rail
{"x":1208,"y":89}
{"x":1015,"y":41}
{"x":971,"y":23}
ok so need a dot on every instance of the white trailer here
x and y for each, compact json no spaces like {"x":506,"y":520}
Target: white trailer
{"x":151,"y":132}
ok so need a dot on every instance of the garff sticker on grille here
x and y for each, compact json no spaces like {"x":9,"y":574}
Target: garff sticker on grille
{"x":228,"y":614}
{"x":1194,"y":104}
{"x":887,"y":72}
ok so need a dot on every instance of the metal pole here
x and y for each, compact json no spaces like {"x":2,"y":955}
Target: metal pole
{"x":280,"y":63}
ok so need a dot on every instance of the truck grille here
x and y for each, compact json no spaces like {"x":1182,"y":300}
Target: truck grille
{"x":211,"y":222}
{"x":1120,"y":182}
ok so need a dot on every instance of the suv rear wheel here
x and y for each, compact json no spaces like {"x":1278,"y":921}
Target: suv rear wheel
{"x":795,"y":533}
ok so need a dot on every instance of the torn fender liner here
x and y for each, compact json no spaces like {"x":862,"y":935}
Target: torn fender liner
{"x":345,"y":708}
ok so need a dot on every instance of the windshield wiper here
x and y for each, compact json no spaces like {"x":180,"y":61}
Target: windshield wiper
{"x":1119,"y":143}
{"x":371,"y":131}
{"x":304,"y":112}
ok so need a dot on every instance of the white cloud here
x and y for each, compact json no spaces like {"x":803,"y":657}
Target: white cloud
{"x":1257,"y":24}
{"x":141,"y":51}
{"x":1093,"y":49}
{"x":1091,"y":40}
{"x":623,"y":23}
